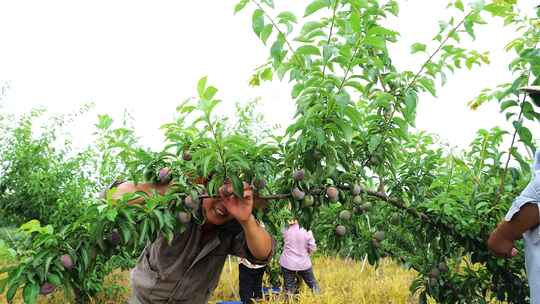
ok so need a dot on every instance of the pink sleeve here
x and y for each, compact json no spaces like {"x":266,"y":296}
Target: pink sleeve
{"x":311,"y":245}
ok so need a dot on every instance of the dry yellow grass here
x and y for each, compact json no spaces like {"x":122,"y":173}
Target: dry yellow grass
{"x":341,"y":281}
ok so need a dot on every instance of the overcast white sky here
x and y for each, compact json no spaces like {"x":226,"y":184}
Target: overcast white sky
{"x":146,"y":57}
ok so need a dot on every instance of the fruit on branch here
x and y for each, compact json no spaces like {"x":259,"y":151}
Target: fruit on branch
{"x":379,"y":236}
{"x":115,"y":238}
{"x":366,"y":206}
{"x":442,"y":267}
{"x":164,"y":175}
{"x":308,"y":201}
{"x":357,"y":199}
{"x":46,"y":288}
{"x":317,"y":155}
{"x":258,"y":183}
{"x":184,"y":217}
{"x":332,"y":193}
{"x":299,"y":175}
{"x":376,"y":243}
{"x":356,"y":190}
{"x":345,"y":215}
{"x":341,"y":230}
{"x":298,"y":194}
{"x":395,"y":219}
{"x":434,"y":273}
{"x":191,"y":202}
{"x":66,"y":261}
{"x":186,"y":155}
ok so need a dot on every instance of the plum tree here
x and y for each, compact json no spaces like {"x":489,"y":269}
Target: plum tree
{"x":356,"y":113}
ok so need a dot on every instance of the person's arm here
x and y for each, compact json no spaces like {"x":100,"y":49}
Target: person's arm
{"x":311,"y":245}
{"x":259,"y":242}
{"x":501,"y":240}
{"x":129,"y":187}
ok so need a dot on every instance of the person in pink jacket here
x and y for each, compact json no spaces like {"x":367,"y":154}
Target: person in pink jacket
{"x":295,"y":260}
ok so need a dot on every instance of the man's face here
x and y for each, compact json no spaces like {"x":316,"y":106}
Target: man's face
{"x":215,"y":211}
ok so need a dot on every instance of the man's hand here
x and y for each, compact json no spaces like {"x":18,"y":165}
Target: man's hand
{"x":239,"y":208}
{"x":501,"y":240}
{"x":501,"y":246}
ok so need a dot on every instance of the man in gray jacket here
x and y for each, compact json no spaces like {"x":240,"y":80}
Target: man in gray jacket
{"x":188,"y":270}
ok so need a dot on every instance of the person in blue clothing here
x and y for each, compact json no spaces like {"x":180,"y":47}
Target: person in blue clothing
{"x":522,"y":221}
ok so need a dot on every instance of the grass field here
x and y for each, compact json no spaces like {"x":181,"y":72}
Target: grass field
{"x":341,"y":282}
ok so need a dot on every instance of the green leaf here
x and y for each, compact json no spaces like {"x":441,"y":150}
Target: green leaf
{"x":308,"y":50}
{"x":240,"y":5}
{"x":393,"y":8}
{"x":525,"y":134}
{"x":159,"y":216}
{"x":144,"y":231}
{"x":353,"y":115}
{"x":375,"y":41}
{"x":374,"y":142}
{"x":310,"y":26}
{"x":469,"y":25}
{"x":31,"y":226}
{"x":30,"y":293}
{"x":54,"y":279}
{"x":409,"y":112}
{"x":507,"y":104}
{"x":12,"y":291}
{"x":267,"y":74}
{"x":343,"y":99}
{"x":285,"y":17}
{"x":429,"y":85}
{"x":315,"y":6}
{"x":277,"y":49}
{"x":356,"y":21}
{"x":257,"y":20}
{"x":355,"y":84}
{"x":418,"y":47}
{"x":3,"y":284}
{"x":125,"y":229}
{"x":459,"y":5}
{"x":497,"y":9}
{"x":111,"y":214}
{"x":297,"y":89}
{"x":105,"y":121}
{"x":266,"y":32}
{"x":201,"y":86}
{"x":210,"y":92}
{"x":238,"y":186}
{"x":328,"y":52}
{"x":347,"y":131}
